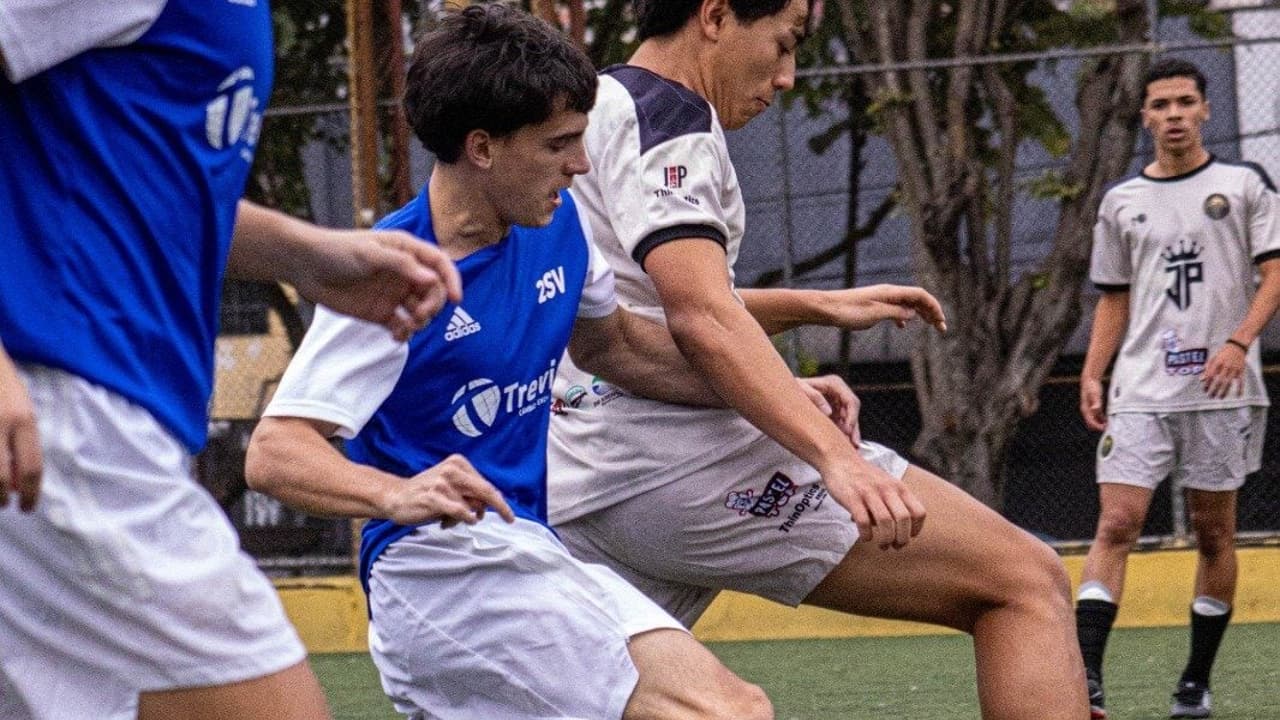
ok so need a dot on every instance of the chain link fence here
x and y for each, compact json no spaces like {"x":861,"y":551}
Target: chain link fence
{"x":803,"y":183}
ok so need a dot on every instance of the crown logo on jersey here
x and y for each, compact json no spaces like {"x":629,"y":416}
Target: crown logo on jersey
{"x":461,"y":324}
{"x":1183,"y":253}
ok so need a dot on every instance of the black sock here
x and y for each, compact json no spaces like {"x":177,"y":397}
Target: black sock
{"x":1206,"y":635}
{"x":1093,"y":625}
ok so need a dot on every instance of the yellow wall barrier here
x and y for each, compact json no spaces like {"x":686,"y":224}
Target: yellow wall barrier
{"x":330,"y":612}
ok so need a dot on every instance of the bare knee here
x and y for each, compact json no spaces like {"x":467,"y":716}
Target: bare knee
{"x":1214,"y":541}
{"x":1118,"y":528}
{"x":1036,"y":581}
{"x":680,"y":679}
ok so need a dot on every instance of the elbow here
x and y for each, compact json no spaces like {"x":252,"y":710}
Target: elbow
{"x":262,"y":461}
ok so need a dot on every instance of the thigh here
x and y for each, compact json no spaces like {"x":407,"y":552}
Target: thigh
{"x":497,"y":620}
{"x":129,"y":571}
{"x":290,"y":694}
{"x":1137,"y":449}
{"x":1218,"y":448}
{"x":965,"y":558}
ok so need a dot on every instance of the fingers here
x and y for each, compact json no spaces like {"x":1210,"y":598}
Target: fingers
{"x":815,"y":395}
{"x":27,"y":466}
{"x":884,"y":509}
{"x":435,"y":269}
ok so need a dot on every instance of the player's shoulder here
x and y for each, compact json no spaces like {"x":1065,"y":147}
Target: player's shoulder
{"x":1247,"y":170}
{"x":663,"y":109}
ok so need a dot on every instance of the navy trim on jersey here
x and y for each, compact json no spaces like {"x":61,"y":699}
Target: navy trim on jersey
{"x":1190,"y":173}
{"x":1262,"y":173}
{"x":676,"y":232}
{"x":665,"y":110}
{"x":1110,"y":287}
{"x":1268,"y":255}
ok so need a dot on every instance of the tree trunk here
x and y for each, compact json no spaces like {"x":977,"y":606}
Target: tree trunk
{"x":977,"y":382}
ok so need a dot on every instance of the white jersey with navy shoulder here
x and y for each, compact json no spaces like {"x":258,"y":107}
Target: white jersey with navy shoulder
{"x":660,"y":171}
{"x":476,"y":381}
{"x":128,"y":129}
{"x":1185,"y":248}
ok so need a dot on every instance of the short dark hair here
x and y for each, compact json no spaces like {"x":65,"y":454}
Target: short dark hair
{"x":494,"y":68}
{"x":655,"y":18}
{"x":1172,"y":67}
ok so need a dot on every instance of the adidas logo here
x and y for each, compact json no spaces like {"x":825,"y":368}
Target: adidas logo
{"x":460,"y":325}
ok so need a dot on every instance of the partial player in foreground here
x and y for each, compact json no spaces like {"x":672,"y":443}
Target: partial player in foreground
{"x":477,"y":610}
{"x":128,"y":130}
{"x":1177,"y":251}
{"x":769,"y":497}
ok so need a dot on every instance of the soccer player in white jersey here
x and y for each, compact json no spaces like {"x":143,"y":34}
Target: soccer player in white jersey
{"x":768,"y":497}
{"x":128,"y":130}
{"x":1177,"y":254}
{"x":474,"y":614}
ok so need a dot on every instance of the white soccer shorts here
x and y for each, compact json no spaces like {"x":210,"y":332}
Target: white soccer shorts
{"x":487,"y":621}
{"x":759,"y":521}
{"x":127,"y":577}
{"x":1200,"y":449}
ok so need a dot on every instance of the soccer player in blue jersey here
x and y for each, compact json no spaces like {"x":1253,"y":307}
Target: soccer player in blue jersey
{"x":128,"y":128}
{"x":477,"y":611}
{"x":767,"y":498}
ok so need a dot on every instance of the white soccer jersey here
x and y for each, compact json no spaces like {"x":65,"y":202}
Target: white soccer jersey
{"x":1185,"y":248}
{"x":660,"y":172}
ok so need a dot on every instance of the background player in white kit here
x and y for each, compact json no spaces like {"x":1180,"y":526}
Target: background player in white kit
{"x":684,"y":502}
{"x":128,"y":131}
{"x":484,"y":619}
{"x":1175,"y":254}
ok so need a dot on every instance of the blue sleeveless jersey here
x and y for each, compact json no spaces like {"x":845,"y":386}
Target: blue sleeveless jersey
{"x":118,"y":190}
{"x":478,"y":383}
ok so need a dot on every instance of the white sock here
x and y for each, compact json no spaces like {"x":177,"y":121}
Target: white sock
{"x":1209,"y":607}
{"x":1094,"y":590}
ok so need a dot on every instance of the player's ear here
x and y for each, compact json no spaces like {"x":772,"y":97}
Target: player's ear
{"x":712,"y":17}
{"x":1207,"y":111}
{"x":477,"y":148}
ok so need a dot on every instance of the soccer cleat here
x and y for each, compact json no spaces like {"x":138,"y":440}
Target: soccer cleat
{"x":1191,"y":700}
{"x":1097,"y":703}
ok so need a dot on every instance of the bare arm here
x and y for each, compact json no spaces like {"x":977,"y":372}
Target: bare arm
{"x":1110,"y":320}
{"x":640,"y":356}
{"x":778,"y":309}
{"x":721,"y":339}
{"x":387,"y":277}
{"x":1225,"y":369}
{"x":20,"y":455}
{"x":291,"y":460}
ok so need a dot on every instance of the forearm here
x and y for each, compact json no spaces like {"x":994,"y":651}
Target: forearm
{"x":727,"y":346}
{"x":1110,"y":320}
{"x":1265,"y":302}
{"x":292,"y":462}
{"x":779,"y":309}
{"x":640,"y":357}
{"x":268,"y":245}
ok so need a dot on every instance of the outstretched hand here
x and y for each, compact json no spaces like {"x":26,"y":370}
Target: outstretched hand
{"x":833,"y":396}
{"x":387,"y":277}
{"x":863,"y":307}
{"x":20,"y":457}
{"x":451,"y":491}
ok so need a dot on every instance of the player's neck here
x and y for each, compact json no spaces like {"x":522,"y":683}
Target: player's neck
{"x":461,"y":224}
{"x":672,"y":57}
{"x":1172,"y":163}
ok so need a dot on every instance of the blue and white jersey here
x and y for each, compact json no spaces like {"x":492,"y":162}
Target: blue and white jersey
{"x":476,"y":381}
{"x":127,"y":129}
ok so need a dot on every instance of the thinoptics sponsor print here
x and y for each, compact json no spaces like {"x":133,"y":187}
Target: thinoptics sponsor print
{"x":777,"y":494}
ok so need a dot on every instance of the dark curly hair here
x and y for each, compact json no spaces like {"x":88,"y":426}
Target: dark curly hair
{"x":494,"y":68}
{"x":655,"y":18}
{"x":1166,"y":68}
